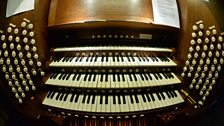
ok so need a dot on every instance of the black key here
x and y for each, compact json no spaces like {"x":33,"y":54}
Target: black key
{"x":135,"y":77}
{"x":129,"y":60}
{"x":139,"y":59}
{"x":72,"y":97}
{"x":160,"y":77}
{"x":71,"y":58}
{"x":79,"y":76}
{"x":114,"y":99}
{"x":132,"y":100}
{"x":88,"y":99}
{"x":68,"y":76}
{"x":175,"y":94}
{"x":146,"y":77}
{"x":52,"y":95}
{"x":136,"y":98}
{"x":119,"y":99}
{"x":101,"y":77}
{"x":141,"y":76}
{"x":107,"y":58}
{"x":52,"y":75}
{"x":66,"y":96}
{"x":123,"y":78}
{"x":64,"y":59}
{"x":96,"y":58}
{"x":158,"y":96}
{"x":155,"y":76}
{"x":101,"y":99}
{"x":74,"y":77}
{"x":55,"y":76}
{"x":106,"y":99}
{"x":93,"y":99}
{"x":113,"y":58}
{"x":62,"y":74}
{"x":106,"y":77}
{"x":118,"y":60}
{"x":94,"y":77}
{"x":148,"y":98}
{"x":90,"y":77}
{"x":149,"y":76}
{"x":62,"y":96}
{"x":152,"y":97}
{"x":76,"y":98}
{"x":114,"y":78}
{"x":49,"y":94}
{"x":130,"y":77}
{"x":163,"y":97}
{"x":171,"y":93}
{"x":85,"y":77}
{"x":143,"y":98}
{"x":118,"y":78}
{"x":84,"y":98}
{"x":132,"y":58}
{"x":165,"y":75}
{"x":124,"y":100}
{"x":168,"y":94}
{"x":122,"y":59}
{"x":58,"y":96}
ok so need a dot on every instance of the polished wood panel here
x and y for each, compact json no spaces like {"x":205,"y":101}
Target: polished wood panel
{"x":75,"y":11}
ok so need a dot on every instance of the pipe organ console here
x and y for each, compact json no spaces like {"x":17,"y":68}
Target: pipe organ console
{"x":87,"y":64}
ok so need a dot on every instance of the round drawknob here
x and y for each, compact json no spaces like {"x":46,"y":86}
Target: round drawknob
{"x":31,"y":34}
{"x":11,"y":46}
{"x":23,"y":62}
{"x":208,"y":32}
{"x":189,"y":74}
{"x":10,"y":83}
{"x":219,"y":67}
{"x":194,"y":27}
{"x":219,"y":46}
{"x":30,"y":62}
{"x":201,"y":93}
{"x":24,"y":32}
{"x":38,"y":63}
{"x":34,"y":48}
{"x":25,"y":39}
{"x":28,"y":55}
{"x":18,"y":47}
{"x":212,"y":47}
{"x":14,"y":77}
{"x":212,"y":68}
{"x":193,"y":34}
{"x":210,"y":88}
{"x":2,"y":37}
{"x":213,"y":81}
{"x":28,"y":76}
{"x":8,"y":61}
{"x":194,"y":62}
{"x":191,"y":49}
{"x":191,"y":86}
{"x":20,"y":89}
{"x":206,"y":93}
{"x":201,"y":26}
{"x":35,"y":56}
{"x":6,"y":53}
{"x":193,"y":81}
{"x":1,"y":61}
{"x":10,"y":38}
{"x":17,"y":39}
{"x":25,"y":69}
{"x":23,"y":94}
{"x":206,"y":40}
{"x":217,"y":54}
{"x":13,"y":53}
{"x":203,"y":98}
{"x":221,"y":60}
{"x":34,"y":72}
{"x":6,"y":75}
{"x":198,"y":48}
{"x":213,"y":39}
{"x":215,"y":61}
{"x":27,"y":88}
{"x":32,"y":41}
{"x":23,"y":24}
{"x":20,"y":55}
{"x":190,"y":56}
{"x":16,"y":31}
{"x":199,"y":68}
{"x":24,"y":82}
{"x":18,"y":69}
{"x":9,"y":29}
{"x":16,"y":94}
{"x":20,"y":100}
{"x":4,"y":46}
{"x":214,"y":31}
{"x":30,"y":26}
{"x":193,"y":42}
{"x":187,"y":62}
{"x":197,"y":87}
{"x":21,"y":75}
{"x":196,"y":75}
{"x":205,"y":47}
{"x":210,"y":54}
{"x":203,"y":88}
{"x":202,"y":74}
{"x":203,"y":54}
{"x":205,"y":68}
{"x":30,"y":82}
{"x":33,"y":88}
{"x":14,"y":89}
{"x":220,"y":38}
{"x":195,"y":55}
{"x":4,"y":69}
{"x":183,"y":74}
{"x":27,"y":47}
{"x":16,"y":61}
{"x":210,"y":74}
{"x":200,"y":33}
{"x":42,"y":73}
{"x":10,"y":68}
{"x":216,"y":74}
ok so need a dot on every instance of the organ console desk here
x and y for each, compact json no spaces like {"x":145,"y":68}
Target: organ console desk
{"x":91,"y":62}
